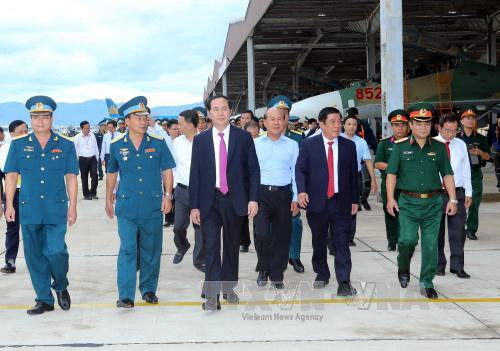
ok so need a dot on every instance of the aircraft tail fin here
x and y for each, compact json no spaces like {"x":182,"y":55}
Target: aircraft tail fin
{"x":112,"y":108}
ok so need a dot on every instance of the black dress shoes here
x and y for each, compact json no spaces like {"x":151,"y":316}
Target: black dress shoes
{"x":278,"y":285}
{"x":460,"y":273}
{"x":351,"y":243}
{"x":94,"y":197}
{"x":178,"y":257}
{"x":332,"y":252}
{"x":125,"y":303}
{"x":404,"y":278}
{"x":212,"y":304}
{"x":320,"y":284}
{"x":63,"y":299}
{"x":471,"y":235}
{"x":201,"y":267}
{"x":297,"y":265}
{"x":391,"y":247}
{"x":366,"y":205}
{"x":440,"y":272}
{"x":346,"y":289}
{"x":87,"y":198}
{"x":150,"y":297}
{"x":430,"y":293}
{"x":231,"y":297}
{"x":39,"y":308}
{"x":262,"y":278}
{"x":8,"y":268}
{"x":243,"y":248}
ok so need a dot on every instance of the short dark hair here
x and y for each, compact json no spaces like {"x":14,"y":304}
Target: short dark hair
{"x":447,"y":118}
{"x":190,"y":116}
{"x":171,"y":122}
{"x":113,"y":122}
{"x":250,"y":124}
{"x":14,"y":124}
{"x":208,"y":103}
{"x":348,"y":117}
{"x":325,"y":111}
{"x":312,"y":120}
{"x":82,"y":123}
{"x":250,"y":112}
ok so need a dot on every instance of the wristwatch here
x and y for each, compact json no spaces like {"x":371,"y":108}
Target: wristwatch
{"x":454,"y":201}
{"x":168,"y":196}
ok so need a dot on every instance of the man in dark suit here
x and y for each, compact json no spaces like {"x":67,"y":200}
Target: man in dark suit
{"x":327,"y":183}
{"x":224,"y":188}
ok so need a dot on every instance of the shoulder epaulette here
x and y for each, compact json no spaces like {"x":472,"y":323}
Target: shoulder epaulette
{"x":441,"y":141}
{"x":157,"y":136}
{"x":117,"y":138}
{"x":296,"y":132}
{"x":65,"y":137}
{"x":401,"y":140}
{"x":20,"y":136}
{"x":386,"y":138}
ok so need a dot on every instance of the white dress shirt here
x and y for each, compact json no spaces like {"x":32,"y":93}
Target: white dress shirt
{"x":335,"y":147}
{"x":86,"y":145}
{"x":459,"y":159}
{"x":4,"y":152}
{"x":182,"y":149}
{"x":216,"y":138}
{"x":106,"y":142}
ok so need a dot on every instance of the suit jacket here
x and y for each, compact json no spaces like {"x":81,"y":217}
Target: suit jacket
{"x":311,"y":173}
{"x":243,"y":172}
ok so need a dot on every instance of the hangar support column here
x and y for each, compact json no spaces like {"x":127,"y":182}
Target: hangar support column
{"x":251,"y":75}
{"x":224,"y":84}
{"x":492,"y":41}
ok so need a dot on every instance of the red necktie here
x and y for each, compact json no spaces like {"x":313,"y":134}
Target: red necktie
{"x":448,"y":149}
{"x":223,"y":165}
{"x":331,"y":179}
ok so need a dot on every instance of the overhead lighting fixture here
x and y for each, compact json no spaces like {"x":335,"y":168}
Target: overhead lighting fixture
{"x":340,"y":61}
{"x":321,"y":14}
{"x":264,"y":63}
{"x":452,"y":12}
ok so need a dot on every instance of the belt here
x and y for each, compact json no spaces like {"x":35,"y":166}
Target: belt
{"x":274,"y":187}
{"x":336,"y":195}
{"x":86,"y":157}
{"x":218,"y":192}
{"x":420,"y":195}
{"x":182,"y":186}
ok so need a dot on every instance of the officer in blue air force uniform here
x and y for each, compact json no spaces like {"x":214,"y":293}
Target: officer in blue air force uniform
{"x":144,"y":163}
{"x":44,"y":160}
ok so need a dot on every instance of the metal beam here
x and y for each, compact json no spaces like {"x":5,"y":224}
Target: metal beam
{"x":265,"y":84}
{"x":391,"y":54}
{"x":251,"y":75}
{"x":309,"y":46}
{"x":491,"y":45}
{"x":224,"y":84}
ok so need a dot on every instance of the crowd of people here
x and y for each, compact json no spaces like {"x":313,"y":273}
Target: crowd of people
{"x":231,"y":177}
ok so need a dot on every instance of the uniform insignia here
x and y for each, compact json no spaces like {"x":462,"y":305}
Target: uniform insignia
{"x":124,"y":151}
{"x":141,"y":105}
{"x":281,"y":104}
{"x":20,"y":136}
{"x":401,"y":140}
{"x":39,"y":106}
{"x":29,"y":148}
{"x":407,"y":152}
{"x":156,"y":136}
{"x":56,"y":151}
{"x":150,"y":150}
{"x":117,"y":138}
{"x":431,"y":153}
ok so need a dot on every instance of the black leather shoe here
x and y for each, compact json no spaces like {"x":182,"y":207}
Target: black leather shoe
{"x":94,"y":197}
{"x":320,"y":284}
{"x":471,"y":235}
{"x":8,"y":268}
{"x":278,"y":285}
{"x":440,"y":272}
{"x":391,"y":247}
{"x":351,"y":243}
{"x":297,"y":265}
{"x":262,"y":278}
{"x":231,"y":297}
{"x":243,"y":248}
{"x":87,"y":198}
{"x":404,"y":278}
{"x":201,"y":267}
{"x":332,"y":252}
{"x":39,"y":308}
{"x":360,"y":208}
{"x":461,"y":273}
{"x":178,"y":257}
{"x":167,"y":224}
{"x":125,"y":303}
{"x":63,"y":299}
{"x":430,"y":293}
{"x":346,"y":289}
{"x":150,"y":297}
{"x":211,"y":305}
{"x":366,"y":205}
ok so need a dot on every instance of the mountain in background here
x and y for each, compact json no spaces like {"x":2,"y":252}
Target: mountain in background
{"x":73,"y":113}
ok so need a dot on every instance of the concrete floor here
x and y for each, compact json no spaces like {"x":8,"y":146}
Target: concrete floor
{"x":384,"y":316}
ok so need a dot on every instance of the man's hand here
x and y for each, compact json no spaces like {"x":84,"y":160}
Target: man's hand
{"x":374,"y":186}
{"x":110,"y":208}
{"x":468,"y":202}
{"x":166,"y":205}
{"x":391,"y":206}
{"x":253,"y":208}
{"x":303,"y":200}
{"x":10,"y":214}
{"x":71,"y":215}
{"x":294,"y":208}
{"x":354,"y":209}
{"x":451,"y":208}
{"x":195,"y":216}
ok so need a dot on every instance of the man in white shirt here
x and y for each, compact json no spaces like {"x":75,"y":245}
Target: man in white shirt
{"x":111,"y":134}
{"x":460,"y":163}
{"x":88,"y":154}
{"x":16,"y":128}
{"x":182,"y":149}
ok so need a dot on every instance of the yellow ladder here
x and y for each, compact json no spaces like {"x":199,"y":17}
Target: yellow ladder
{"x":443,"y":81}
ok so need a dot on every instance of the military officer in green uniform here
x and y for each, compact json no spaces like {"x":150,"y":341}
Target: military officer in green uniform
{"x":48,"y":165}
{"x":283,"y":102}
{"x":414,"y":168}
{"x":479,"y":153}
{"x":144,"y":163}
{"x":399,"y":124}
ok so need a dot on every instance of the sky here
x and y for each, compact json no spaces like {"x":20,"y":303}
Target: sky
{"x":75,"y":50}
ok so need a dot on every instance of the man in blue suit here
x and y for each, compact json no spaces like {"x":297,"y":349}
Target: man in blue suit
{"x":326,"y":176}
{"x":224,"y":188}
